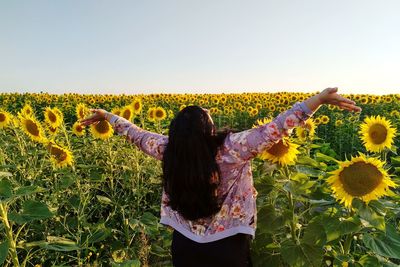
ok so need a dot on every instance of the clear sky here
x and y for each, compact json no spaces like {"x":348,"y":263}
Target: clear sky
{"x":202,"y":46}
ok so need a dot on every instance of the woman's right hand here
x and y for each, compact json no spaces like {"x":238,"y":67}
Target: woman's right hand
{"x":99,"y":115}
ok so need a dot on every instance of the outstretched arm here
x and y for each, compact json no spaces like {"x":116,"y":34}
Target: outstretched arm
{"x":247,"y":144}
{"x":150,"y":143}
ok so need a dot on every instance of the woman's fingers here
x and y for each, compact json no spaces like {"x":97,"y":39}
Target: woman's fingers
{"x":349,"y":106}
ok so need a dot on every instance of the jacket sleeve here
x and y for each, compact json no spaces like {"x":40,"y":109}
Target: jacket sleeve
{"x":152,"y":144}
{"x":245,"y":145}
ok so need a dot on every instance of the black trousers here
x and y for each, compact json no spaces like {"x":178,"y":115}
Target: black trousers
{"x":232,"y":251}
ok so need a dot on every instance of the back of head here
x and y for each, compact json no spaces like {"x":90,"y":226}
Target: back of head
{"x":190,"y":172}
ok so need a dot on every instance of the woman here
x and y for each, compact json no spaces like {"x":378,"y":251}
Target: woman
{"x":208,"y":195}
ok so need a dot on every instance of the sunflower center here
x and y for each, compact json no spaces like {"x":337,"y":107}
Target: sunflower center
{"x":102,"y":127}
{"x":79,"y":128}
{"x":32,"y":128}
{"x":2,"y":117}
{"x":159,"y":113}
{"x":303,"y":134}
{"x":52,"y":116}
{"x":58,"y":153}
{"x":378,"y":133}
{"x":136,"y":106}
{"x":279,"y":149}
{"x":127,"y":114}
{"x":81,"y":113}
{"x":360,"y":178}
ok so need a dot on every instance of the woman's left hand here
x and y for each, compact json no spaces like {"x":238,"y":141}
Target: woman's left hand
{"x":99,"y":115}
{"x":330,"y":96}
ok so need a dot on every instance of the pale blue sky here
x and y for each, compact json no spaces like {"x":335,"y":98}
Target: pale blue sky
{"x":203,"y":46}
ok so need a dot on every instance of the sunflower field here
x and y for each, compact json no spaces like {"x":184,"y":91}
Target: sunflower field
{"x":70,"y":195}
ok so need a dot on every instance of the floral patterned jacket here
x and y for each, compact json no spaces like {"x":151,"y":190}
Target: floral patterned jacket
{"x":238,"y":212}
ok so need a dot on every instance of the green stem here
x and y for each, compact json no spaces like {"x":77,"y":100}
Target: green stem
{"x":347,"y":244}
{"x":9,"y":234}
{"x":292,"y":224}
{"x":291,"y":207}
{"x":349,"y":238}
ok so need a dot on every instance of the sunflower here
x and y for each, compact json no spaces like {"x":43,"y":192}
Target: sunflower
{"x":324,"y":119}
{"x":271,"y":107}
{"x":361,"y":177}
{"x":151,"y":114}
{"x":307,"y":131}
{"x":32,"y":128}
{"x":253,"y":112}
{"x":127,"y":112}
{"x":116,"y":111}
{"x":137,"y":105}
{"x":395,"y":113}
{"x":160,"y":114}
{"x":59,"y":156}
{"x":338,"y":122}
{"x":27,"y":110}
{"x":284,"y":152}
{"x":377,"y":133}
{"x":78,"y":129}
{"x":52,"y":130}
{"x":102,"y":130}
{"x":59,"y":114}
{"x":5,"y":119}
{"x":52,"y":118}
{"x":81,"y":111}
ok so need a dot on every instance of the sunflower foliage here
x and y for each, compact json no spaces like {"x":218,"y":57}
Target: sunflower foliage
{"x":82,"y":196}
{"x":76,"y":201}
{"x":322,"y":211}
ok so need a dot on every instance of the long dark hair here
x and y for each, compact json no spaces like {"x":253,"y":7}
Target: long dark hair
{"x":190,"y":171}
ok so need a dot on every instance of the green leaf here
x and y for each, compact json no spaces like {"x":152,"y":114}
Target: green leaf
{"x":103,"y":199}
{"x":301,"y":254}
{"x":31,"y":210}
{"x":66,"y":181}
{"x":299,"y":177}
{"x":99,"y":235}
{"x":5,"y":189}
{"x":369,"y":216}
{"x":384,"y":244}
{"x":149,"y":219}
{"x":314,"y":234}
{"x":335,"y":228}
{"x":5,"y":174}
{"x":54,"y":243}
{"x":309,"y":171}
{"x":3,"y":251}
{"x":368,"y":261}
{"x":264,"y":184}
{"x":159,"y":251}
{"x":268,"y":221}
{"x":28,"y":190}
{"x":374,"y":220}
{"x":304,"y":160}
{"x":60,"y":244}
{"x":325,"y":158}
{"x":75,"y":201}
{"x":298,"y":189}
{"x":395,"y":161}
